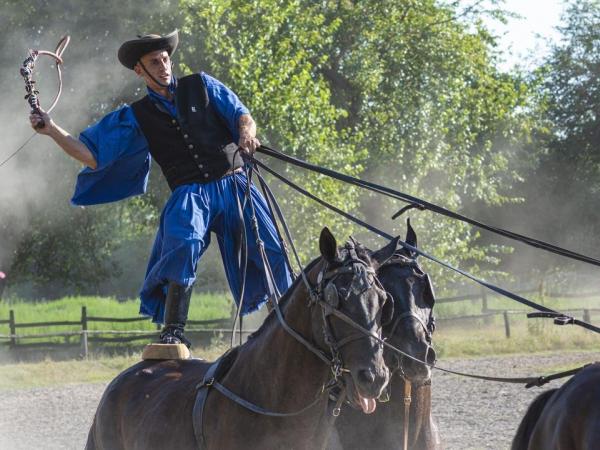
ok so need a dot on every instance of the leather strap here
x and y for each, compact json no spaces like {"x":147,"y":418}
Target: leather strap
{"x":259,"y":409}
{"x":198,"y":411}
{"x":407,"y":402}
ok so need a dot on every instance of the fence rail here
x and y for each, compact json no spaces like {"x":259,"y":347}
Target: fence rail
{"x":212,"y":326}
{"x":540,"y":290}
{"x":584,"y":312}
{"x":14,"y":340}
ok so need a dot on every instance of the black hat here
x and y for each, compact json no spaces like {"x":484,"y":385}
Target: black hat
{"x":131,"y":51}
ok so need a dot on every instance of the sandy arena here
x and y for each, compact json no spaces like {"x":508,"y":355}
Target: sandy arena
{"x":471,"y":414}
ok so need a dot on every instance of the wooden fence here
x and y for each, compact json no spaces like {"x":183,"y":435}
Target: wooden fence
{"x":585,"y":313}
{"x":87,"y":336}
{"x":486,"y":312}
{"x":211,"y":327}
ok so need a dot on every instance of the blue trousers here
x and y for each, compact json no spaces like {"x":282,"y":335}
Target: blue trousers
{"x":191,"y":214}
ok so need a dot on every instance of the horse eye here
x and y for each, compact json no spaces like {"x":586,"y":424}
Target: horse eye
{"x":343,"y":292}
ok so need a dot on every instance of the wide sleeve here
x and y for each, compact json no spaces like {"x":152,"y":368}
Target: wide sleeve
{"x":226,"y":102}
{"x":122,"y":156}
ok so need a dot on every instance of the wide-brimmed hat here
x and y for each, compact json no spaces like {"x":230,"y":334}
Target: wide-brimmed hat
{"x":131,"y":51}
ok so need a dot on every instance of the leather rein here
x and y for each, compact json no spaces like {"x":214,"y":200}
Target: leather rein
{"x":326,"y":296}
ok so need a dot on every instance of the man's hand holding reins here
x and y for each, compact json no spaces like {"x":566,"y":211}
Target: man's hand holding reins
{"x":249,"y":144}
{"x":247,"y":128}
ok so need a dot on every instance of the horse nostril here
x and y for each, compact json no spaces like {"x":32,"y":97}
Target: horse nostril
{"x":430,"y":355}
{"x":366,"y":376}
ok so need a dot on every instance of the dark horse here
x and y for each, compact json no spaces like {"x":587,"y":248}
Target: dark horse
{"x":567,"y":418}
{"x":410,"y":330}
{"x":151,"y":405}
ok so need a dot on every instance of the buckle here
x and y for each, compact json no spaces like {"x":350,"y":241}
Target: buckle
{"x":564,"y":320}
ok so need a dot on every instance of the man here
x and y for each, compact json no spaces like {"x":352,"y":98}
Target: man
{"x":190,"y":126}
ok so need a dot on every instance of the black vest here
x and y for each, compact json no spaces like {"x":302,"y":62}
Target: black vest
{"x":197,"y":147}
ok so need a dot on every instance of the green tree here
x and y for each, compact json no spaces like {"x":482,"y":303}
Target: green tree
{"x":562,"y":204}
{"x":404,"y":93}
{"x":49,"y":248}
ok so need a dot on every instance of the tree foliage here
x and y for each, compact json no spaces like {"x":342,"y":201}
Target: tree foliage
{"x":402,"y":92}
{"x":563,"y":188}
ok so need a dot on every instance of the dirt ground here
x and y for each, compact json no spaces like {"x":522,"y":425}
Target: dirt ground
{"x":471,"y":414}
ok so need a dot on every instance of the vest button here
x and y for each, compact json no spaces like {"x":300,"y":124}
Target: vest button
{"x":190,"y":146}
{"x":205,"y":175}
{"x":173,"y":121}
{"x":185,"y":136}
{"x":200,"y":166}
{"x":196,"y":156}
{"x":178,"y":128}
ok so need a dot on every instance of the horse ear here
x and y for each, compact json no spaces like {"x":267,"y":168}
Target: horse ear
{"x":429,"y":293}
{"x":410,"y":239}
{"x":328,"y":245}
{"x":385,"y":253}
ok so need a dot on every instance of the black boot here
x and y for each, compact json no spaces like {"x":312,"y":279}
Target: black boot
{"x":177,"y":305}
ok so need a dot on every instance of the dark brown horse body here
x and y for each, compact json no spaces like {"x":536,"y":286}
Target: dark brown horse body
{"x":567,"y":418}
{"x":410,"y":331}
{"x":150,"y":405}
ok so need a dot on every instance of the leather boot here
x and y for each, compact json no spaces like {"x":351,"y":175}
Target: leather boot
{"x":177,"y":305}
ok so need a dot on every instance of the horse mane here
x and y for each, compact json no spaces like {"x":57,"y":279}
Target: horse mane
{"x":272,"y":317}
{"x":521,"y":439}
{"x":362,"y":252}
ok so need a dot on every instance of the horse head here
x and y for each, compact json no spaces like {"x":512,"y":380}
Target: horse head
{"x":347,"y":284}
{"x":412,"y":325}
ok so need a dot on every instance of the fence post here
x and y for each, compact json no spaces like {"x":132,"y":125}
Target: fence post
{"x":506,"y":324}
{"x":84,"y":335}
{"x":484,"y":303}
{"x":13,"y":328}
{"x":586,"y":316}
{"x":541,"y":291}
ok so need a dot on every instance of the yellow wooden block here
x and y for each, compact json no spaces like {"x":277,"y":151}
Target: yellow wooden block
{"x":166,"y":351}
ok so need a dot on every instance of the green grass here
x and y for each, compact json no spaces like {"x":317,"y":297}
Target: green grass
{"x":473,"y":307}
{"x":203,"y":307}
{"x":94,"y":370}
{"x":486,"y":337}
{"x":460,"y":338}
{"x":51,"y":373}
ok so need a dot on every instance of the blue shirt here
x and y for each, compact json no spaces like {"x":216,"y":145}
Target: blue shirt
{"x":122,"y":153}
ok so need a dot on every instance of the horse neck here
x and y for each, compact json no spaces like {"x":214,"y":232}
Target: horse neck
{"x":287,"y":370}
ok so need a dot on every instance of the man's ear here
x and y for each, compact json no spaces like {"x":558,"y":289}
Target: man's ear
{"x":137,"y":69}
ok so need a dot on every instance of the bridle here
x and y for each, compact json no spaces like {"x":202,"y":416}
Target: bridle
{"x":328,"y":297}
{"x":325,"y":295}
{"x":428,"y":328}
